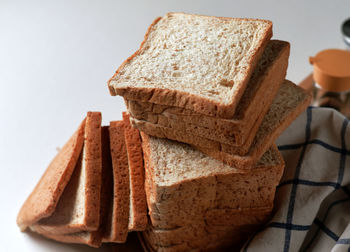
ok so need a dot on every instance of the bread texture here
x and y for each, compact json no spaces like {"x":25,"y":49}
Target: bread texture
{"x":138,"y":204}
{"x":201,"y":63}
{"x":119,"y":213}
{"x":290,"y":101}
{"x":257,"y":98}
{"x":182,"y":184}
{"x":42,"y":201}
{"x":78,"y":208}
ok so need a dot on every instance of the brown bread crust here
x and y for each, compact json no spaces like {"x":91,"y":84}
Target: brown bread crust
{"x":121,"y":198}
{"x":137,"y":176}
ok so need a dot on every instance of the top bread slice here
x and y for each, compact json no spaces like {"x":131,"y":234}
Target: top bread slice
{"x":201,"y":63}
{"x":254,"y":104}
{"x":138,"y":205}
{"x":42,"y":201}
{"x":117,"y":226}
{"x":78,"y":208}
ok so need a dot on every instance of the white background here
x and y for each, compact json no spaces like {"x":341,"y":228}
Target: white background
{"x":55,"y":59}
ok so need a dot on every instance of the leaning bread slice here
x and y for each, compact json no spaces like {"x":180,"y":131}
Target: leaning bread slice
{"x":78,"y":208}
{"x":202,"y":63}
{"x":42,"y":201}
{"x":182,"y":183}
{"x":138,"y":204}
{"x":290,"y":101}
{"x":257,"y":98}
{"x":117,"y":229}
{"x":93,"y":238}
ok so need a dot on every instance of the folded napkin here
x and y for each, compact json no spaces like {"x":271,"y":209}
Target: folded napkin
{"x":312,"y":207}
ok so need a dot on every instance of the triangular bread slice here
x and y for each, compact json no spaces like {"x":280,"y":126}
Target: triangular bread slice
{"x":202,"y":63}
{"x":42,"y":201}
{"x":93,"y":238}
{"x":78,"y":208}
{"x":262,"y":87}
{"x":290,"y":102}
{"x":117,"y":226}
{"x":138,"y":205}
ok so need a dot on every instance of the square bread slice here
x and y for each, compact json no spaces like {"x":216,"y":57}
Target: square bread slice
{"x":290,"y":101}
{"x":201,"y":63}
{"x":138,"y":205}
{"x":182,"y":183}
{"x":117,"y":226}
{"x":254,"y":104}
{"x":42,"y":201}
{"x":78,"y":208}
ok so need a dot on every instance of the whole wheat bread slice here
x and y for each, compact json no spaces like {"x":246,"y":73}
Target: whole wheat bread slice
{"x":201,"y":63}
{"x":182,"y":183}
{"x":288,"y":104}
{"x":78,"y":208}
{"x":138,"y":204}
{"x":42,"y":201}
{"x":257,"y":98}
{"x":93,"y":238}
{"x":117,"y":229}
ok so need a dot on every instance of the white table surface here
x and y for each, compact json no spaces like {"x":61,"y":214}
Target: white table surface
{"x":55,"y":59}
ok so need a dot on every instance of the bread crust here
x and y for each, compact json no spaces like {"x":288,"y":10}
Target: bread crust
{"x":137,"y":176}
{"x":121,"y":199}
{"x":42,"y":201}
{"x":183,"y":99}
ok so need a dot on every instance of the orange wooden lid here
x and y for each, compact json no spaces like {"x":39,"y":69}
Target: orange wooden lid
{"x":332,"y":69}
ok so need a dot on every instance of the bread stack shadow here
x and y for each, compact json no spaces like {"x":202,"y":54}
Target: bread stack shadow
{"x":209,"y":97}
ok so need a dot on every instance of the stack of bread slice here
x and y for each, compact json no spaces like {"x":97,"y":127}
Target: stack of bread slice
{"x":210,"y":96}
{"x":93,"y":190}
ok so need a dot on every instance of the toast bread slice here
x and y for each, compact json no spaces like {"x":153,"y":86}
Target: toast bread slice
{"x":117,"y":229}
{"x":78,"y":208}
{"x":182,"y":183}
{"x":42,"y":201}
{"x":202,"y":63}
{"x":138,"y":205}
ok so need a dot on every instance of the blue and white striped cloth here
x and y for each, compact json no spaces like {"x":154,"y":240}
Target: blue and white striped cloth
{"x":312,"y":207}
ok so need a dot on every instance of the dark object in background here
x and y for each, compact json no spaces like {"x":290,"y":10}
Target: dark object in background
{"x":346,"y":32}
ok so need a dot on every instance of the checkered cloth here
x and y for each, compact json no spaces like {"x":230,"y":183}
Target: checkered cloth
{"x":312,"y":208}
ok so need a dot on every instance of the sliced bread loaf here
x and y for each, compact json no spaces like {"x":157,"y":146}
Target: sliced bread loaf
{"x":288,"y":104}
{"x":138,"y":204}
{"x":78,"y":208}
{"x":42,"y":201}
{"x":258,"y":96}
{"x":117,"y":229}
{"x":182,"y":184}
{"x":201,"y":63}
